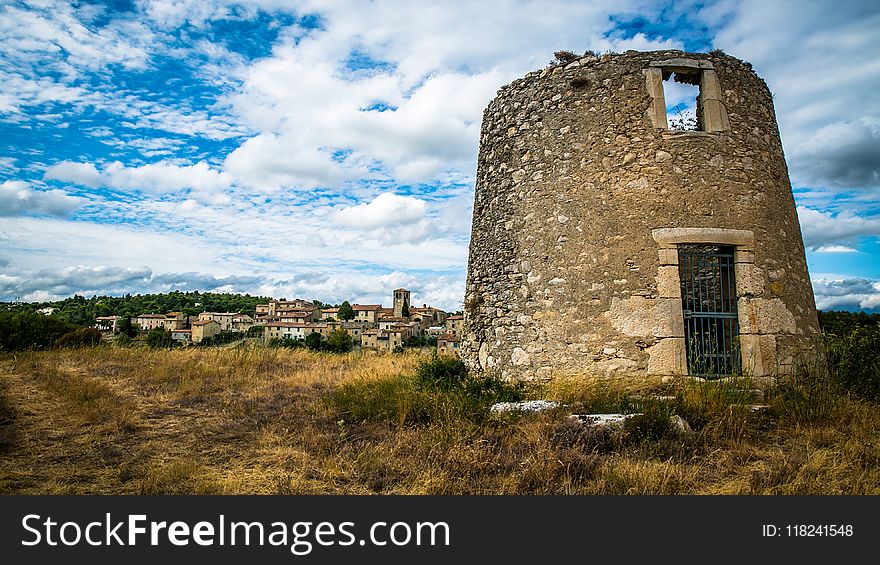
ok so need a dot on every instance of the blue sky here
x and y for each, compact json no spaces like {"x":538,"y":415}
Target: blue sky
{"x":328,"y":150}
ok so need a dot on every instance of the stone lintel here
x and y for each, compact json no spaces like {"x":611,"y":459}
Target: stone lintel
{"x":670,"y":237}
{"x":683,"y":63}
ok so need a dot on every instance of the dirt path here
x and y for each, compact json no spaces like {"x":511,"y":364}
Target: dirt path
{"x":53,"y":451}
{"x":57,"y":451}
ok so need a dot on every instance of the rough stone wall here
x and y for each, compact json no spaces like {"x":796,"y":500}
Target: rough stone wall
{"x":573,"y":266}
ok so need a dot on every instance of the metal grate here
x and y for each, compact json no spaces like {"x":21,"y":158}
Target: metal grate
{"x":708,"y":295}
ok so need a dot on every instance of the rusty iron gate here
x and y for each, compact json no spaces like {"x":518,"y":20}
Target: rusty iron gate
{"x":708,"y":296}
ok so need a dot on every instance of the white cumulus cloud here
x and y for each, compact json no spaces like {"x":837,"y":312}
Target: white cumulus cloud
{"x":154,"y":177}
{"x":387,"y":209}
{"x":17,"y":197}
{"x":825,"y":228}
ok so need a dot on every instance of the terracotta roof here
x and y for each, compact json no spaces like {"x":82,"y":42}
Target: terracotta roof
{"x":448,"y":337}
{"x":204,"y":322}
{"x":152,"y":316}
{"x":366,"y":306}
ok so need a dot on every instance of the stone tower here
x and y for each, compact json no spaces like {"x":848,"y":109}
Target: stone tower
{"x":401,"y":302}
{"x":606,"y":242}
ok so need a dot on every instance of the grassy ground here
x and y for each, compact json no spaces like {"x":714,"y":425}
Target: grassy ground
{"x":258,"y":420}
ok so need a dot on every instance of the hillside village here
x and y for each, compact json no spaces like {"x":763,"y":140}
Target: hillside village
{"x":370,"y":326}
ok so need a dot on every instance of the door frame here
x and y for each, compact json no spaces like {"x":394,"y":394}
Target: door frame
{"x":747,"y":285}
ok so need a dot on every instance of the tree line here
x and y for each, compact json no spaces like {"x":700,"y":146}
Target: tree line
{"x":82,"y":311}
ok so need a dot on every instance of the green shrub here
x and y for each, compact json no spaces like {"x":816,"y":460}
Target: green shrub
{"x":705,"y":403}
{"x":221,"y":338}
{"x":854,"y":360}
{"x":159,"y":338}
{"x":807,"y":394}
{"x":397,"y":400}
{"x":652,"y":424}
{"x":439,"y":391}
{"x":442,"y":372}
{"x":30,"y":330}
{"x":285,"y":342}
{"x":339,"y":341}
{"x":83,"y":337}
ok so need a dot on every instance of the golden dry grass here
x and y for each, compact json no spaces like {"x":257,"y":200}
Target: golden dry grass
{"x":260,"y":420}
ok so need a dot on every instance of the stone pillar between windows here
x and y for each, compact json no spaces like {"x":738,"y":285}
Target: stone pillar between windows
{"x":657,"y":109}
{"x":714,"y":115}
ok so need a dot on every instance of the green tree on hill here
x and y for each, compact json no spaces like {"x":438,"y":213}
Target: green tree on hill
{"x":339,"y":341}
{"x":29,"y":330}
{"x":126,"y":328}
{"x":314,"y":342}
{"x":159,"y":338}
{"x":346,"y":312}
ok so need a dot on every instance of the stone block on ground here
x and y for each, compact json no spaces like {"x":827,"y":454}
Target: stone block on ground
{"x":533,"y":406}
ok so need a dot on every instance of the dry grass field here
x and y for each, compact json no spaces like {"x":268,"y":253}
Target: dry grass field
{"x":260,"y":420}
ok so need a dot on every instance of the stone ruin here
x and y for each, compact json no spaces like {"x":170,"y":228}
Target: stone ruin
{"x":606,"y":242}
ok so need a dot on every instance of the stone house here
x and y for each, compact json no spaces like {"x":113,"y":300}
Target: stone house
{"x":174,"y":321}
{"x":222,"y":318}
{"x":455,"y":325}
{"x":242,"y":323}
{"x":449,"y":344}
{"x":149,"y":322}
{"x":107,"y":323}
{"x":396,"y":337}
{"x":204,"y":328}
{"x":366,"y":312}
{"x":436,"y":316}
{"x":276,"y":307}
{"x":388,"y":322}
{"x":182,"y":336}
{"x":356,"y":330}
{"x":370,"y":339}
{"x":298,"y":316}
